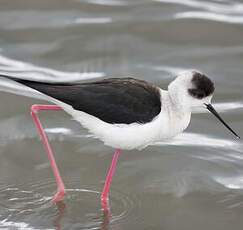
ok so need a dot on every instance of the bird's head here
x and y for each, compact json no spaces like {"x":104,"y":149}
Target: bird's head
{"x":193,"y":89}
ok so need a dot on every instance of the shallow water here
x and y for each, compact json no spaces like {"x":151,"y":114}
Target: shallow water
{"x":192,"y":182}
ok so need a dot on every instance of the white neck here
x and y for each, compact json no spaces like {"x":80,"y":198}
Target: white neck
{"x":176,"y":116}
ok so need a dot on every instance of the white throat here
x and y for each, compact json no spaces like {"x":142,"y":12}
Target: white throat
{"x":175,"y":116}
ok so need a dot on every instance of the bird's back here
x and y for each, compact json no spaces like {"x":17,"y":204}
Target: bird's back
{"x":114,"y":100}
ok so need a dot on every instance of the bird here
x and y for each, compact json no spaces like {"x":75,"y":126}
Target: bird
{"x":124,"y":113}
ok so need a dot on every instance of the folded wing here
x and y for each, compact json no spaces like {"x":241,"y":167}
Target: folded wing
{"x":114,"y":100}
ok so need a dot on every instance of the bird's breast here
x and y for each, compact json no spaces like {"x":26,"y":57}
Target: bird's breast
{"x":173,"y":123}
{"x":179,"y":122}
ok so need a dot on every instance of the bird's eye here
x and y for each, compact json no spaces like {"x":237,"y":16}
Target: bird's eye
{"x":197,"y":93}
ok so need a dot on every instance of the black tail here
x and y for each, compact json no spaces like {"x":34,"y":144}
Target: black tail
{"x":30,"y":83}
{"x":60,"y":91}
{"x":11,"y":78}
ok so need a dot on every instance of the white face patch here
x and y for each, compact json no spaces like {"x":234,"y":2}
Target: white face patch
{"x":191,"y":89}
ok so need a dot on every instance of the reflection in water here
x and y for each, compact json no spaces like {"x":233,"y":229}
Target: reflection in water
{"x":61,"y":206}
{"x":33,"y":209}
{"x":105,"y":217}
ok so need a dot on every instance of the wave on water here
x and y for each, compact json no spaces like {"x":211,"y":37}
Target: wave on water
{"x":210,"y":16}
{"x":29,"y":71}
{"x":108,"y":2}
{"x":195,"y":139}
{"x":226,"y":7}
{"x":221,"y":11}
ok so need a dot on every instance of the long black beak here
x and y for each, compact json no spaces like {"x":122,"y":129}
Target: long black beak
{"x":215,"y":113}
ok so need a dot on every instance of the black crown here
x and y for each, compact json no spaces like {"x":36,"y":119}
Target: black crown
{"x":203,"y":86}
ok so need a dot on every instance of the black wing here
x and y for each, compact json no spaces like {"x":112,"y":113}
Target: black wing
{"x":114,"y":100}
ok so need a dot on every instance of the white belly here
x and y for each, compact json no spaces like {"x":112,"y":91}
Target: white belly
{"x":128,"y":136}
{"x":123,"y":136}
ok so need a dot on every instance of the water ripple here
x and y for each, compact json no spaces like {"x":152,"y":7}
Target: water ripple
{"x":226,"y":7}
{"x":210,"y":16}
{"x":100,"y":20}
{"x":195,"y":139}
{"x":81,"y":206}
{"x":235,"y":182}
{"x":109,"y":2}
{"x":29,"y":71}
{"x":32,"y":72}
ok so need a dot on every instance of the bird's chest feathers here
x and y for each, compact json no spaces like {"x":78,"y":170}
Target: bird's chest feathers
{"x":178,"y":122}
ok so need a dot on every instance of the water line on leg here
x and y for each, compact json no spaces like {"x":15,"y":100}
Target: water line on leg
{"x":108,"y":180}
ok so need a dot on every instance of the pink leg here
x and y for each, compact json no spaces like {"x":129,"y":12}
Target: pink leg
{"x":108,"y":180}
{"x":60,"y":186}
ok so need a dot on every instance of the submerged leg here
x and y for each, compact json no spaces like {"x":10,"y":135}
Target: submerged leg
{"x":108,"y":180}
{"x":34,"y":113}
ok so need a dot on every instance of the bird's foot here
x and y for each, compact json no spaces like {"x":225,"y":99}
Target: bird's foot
{"x":59,"y":196}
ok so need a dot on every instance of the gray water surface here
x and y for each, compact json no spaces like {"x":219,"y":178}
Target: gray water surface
{"x":194,"y":181}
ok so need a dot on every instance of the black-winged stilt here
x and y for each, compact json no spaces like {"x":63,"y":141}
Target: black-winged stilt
{"x":125,"y":113}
